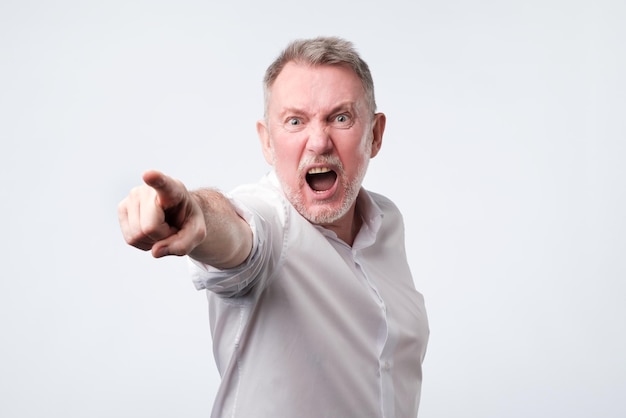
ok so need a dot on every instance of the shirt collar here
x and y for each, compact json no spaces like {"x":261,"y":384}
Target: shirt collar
{"x":372,"y":216}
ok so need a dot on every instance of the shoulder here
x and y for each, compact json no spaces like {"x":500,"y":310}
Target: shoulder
{"x":264,"y":198}
{"x":265,"y":188}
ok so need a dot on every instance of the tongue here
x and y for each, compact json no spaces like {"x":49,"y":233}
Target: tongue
{"x":322,"y":182}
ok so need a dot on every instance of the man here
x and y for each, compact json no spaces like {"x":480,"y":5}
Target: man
{"x":313,"y":309}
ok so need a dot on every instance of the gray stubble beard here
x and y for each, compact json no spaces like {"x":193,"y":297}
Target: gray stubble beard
{"x":352,"y":188}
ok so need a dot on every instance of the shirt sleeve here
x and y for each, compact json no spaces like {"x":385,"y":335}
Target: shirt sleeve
{"x":266,"y":222}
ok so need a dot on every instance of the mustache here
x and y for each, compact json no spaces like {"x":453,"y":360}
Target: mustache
{"x":329,"y":160}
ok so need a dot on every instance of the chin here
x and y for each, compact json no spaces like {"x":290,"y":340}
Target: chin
{"x":324,"y":216}
{"x":321,"y":212}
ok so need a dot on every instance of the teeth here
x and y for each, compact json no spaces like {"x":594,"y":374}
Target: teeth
{"x":319,"y":170}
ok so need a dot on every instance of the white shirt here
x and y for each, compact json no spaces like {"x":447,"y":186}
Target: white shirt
{"x":310,"y":327}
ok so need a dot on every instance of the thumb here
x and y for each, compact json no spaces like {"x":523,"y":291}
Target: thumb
{"x":169,"y":192}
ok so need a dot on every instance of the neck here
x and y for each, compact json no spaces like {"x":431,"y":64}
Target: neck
{"x":348,"y":226}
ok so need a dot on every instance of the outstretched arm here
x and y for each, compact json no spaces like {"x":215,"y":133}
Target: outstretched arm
{"x":164,"y":217}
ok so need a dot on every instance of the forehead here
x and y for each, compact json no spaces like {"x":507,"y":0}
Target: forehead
{"x":303,"y":85}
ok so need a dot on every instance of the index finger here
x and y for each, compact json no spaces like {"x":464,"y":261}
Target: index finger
{"x":169,"y":191}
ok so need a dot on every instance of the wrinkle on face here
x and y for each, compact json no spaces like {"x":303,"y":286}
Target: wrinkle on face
{"x":318,"y":117}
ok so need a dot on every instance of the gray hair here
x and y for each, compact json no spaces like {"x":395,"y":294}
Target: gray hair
{"x":321,"y":51}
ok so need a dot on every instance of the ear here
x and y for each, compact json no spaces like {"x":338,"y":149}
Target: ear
{"x":378,"y":129}
{"x":264,"y":136}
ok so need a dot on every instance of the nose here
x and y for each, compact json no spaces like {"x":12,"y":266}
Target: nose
{"x":319,"y":141}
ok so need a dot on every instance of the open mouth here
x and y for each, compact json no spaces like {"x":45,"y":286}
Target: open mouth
{"x":321,"y":179}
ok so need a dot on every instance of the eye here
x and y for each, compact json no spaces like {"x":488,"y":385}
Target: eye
{"x":342,"y":121}
{"x":294,"y":124}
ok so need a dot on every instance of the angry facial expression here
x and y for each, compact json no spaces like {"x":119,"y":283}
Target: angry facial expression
{"x":319,"y":134}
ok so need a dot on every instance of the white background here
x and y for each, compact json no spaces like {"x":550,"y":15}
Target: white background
{"x":504,"y":149}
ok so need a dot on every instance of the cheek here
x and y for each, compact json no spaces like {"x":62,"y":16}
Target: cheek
{"x":353,"y":164}
{"x":355,"y":155}
{"x":282,"y":158}
{"x":286,"y":152}
{"x":286,"y":165}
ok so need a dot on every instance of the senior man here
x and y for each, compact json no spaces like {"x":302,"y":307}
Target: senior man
{"x":313,"y":309}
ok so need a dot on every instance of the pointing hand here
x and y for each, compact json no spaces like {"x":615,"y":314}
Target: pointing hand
{"x":162,"y":216}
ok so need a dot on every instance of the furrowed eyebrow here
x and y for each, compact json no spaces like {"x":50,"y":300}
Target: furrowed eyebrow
{"x":291,"y":111}
{"x":341,"y":107}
